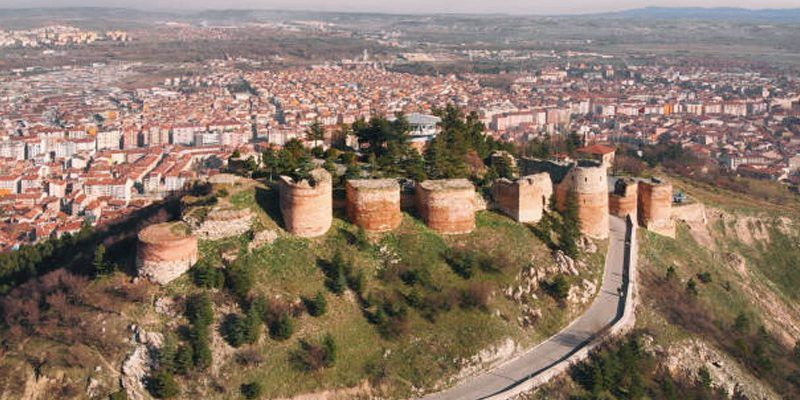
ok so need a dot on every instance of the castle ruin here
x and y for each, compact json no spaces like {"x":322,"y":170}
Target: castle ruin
{"x":447,"y":206}
{"x":307,"y":205}
{"x":655,"y":206}
{"x":525,"y":200}
{"x":374,"y":204}
{"x":165,"y":251}
{"x":588,"y":179}
{"x":622,"y":201}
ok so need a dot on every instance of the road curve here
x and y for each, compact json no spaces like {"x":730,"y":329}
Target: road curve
{"x":607,"y":307}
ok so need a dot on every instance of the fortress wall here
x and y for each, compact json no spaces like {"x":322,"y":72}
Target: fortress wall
{"x":307,"y":209}
{"x":524,"y":200}
{"x":655,"y":206}
{"x":590,"y":183}
{"x":447,"y":206}
{"x":622,"y":202}
{"x":165,"y":251}
{"x":374,"y":204}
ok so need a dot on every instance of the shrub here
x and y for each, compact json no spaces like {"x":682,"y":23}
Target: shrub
{"x":207,"y":276}
{"x":742,"y":323}
{"x":118,"y":395}
{"x":201,"y":351}
{"x":281,"y":328}
{"x":313,"y":357}
{"x":239,"y":279}
{"x":316,"y":306}
{"x":691,"y":287}
{"x":476,"y":296}
{"x":163,"y":385}
{"x":558,"y":288}
{"x":199,"y":310}
{"x":184,"y":359}
{"x":704,"y":277}
{"x":463,"y":263}
{"x":356,"y":281}
{"x":671,"y":273}
{"x":252,"y":390}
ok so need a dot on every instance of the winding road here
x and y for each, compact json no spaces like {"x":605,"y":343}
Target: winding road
{"x":607,"y":308}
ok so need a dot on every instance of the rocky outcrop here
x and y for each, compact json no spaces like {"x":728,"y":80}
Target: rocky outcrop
{"x":262,"y":238}
{"x":140,"y":362}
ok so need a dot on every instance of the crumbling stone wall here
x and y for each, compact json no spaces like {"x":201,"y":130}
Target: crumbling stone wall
{"x":165,"y":252}
{"x":590,"y":183}
{"x":221,"y":223}
{"x":447,"y":206}
{"x":374,"y":204}
{"x":622,"y":202}
{"x":524,"y":200}
{"x":307,"y":207}
{"x":655,"y":206}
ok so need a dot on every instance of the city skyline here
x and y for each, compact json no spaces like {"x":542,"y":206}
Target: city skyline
{"x":546,"y":7}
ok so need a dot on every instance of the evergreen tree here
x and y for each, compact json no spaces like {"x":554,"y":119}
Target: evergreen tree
{"x":184,"y":359}
{"x":163,"y":385}
{"x":252,"y":390}
{"x":101,"y":267}
{"x":315,"y":132}
{"x":317,"y":305}
{"x":570,"y":227}
{"x":282,"y":328}
{"x":199,"y":310}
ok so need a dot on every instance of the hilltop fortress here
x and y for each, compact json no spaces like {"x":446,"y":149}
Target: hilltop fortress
{"x":446,"y":206}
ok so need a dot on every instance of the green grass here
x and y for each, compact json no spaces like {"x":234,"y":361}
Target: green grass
{"x":427,"y":354}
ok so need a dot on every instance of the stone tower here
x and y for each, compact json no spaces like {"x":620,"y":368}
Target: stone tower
{"x":374,"y":204}
{"x":622,"y":201}
{"x":524,"y":200}
{"x":307,"y":206}
{"x":165,"y":252}
{"x":655,"y":206}
{"x":447,"y":206}
{"x":589,"y":181}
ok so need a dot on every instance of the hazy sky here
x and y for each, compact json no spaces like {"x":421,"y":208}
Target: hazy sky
{"x":412,"y":6}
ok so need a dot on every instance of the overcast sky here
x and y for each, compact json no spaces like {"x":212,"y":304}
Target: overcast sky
{"x":411,"y":6}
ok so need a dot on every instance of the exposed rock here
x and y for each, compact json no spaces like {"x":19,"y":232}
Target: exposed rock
{"x":687,"y":357}
{"x":166,"y":305}
{"x":586,"y":245}
{"x":138,"y":365}
{"x":583,"y":293}
{"x":565,"y":263}
{"x":262,"y":238}
{"x":220,"y":223}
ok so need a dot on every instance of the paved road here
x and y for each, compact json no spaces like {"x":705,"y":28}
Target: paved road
{"x":600,"y":315}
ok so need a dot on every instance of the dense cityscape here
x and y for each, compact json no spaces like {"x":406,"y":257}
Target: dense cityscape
{"x":275,"y":204}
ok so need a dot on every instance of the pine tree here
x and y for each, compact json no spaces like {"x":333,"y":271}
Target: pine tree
{"x":163,"y":385}
{"x":184,"y":359}
{"x":315,"y":132}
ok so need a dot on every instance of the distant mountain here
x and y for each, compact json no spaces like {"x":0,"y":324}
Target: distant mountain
{"x":710,"y":13}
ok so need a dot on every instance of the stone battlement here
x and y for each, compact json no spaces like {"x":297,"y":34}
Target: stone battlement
{"x":374,"y":204}
{"x":655,"y":206}
{"x":165,"y":251}
{"x":524,"y":200}
{"x":622,"y":202}
{"x":307,"y":206}
{"x":447,"y":206}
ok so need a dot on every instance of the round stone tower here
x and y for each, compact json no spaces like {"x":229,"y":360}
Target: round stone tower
{"x":374,"y":204}
{"x":524,"y":200}
{"x":655,"y":206}
{"x":447,"y":206}
{"x":307,"y":206}
{"x":622,"y":201}
{"x":165,"y":251}
{"x":589,"y":181}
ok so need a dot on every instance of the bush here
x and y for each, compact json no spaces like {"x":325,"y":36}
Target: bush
{"x":558,"y":288}
{"x":463,"y":263}
{"x":356,"y":281}
{"x":118,"y":395}
{"x":313,"y":357}
{"x":335,"y":273}
{"x":476,"y":296}
{"x":163,"y":385}
{"x":199,"y":310}
{"x":281,"y":328}
{"x":704,"y":277}
{"x":239,"y":330}
{"x":252,"y":390}
{"x":239,"y":279}
{"x":184,"y":359}
{"x":316,"y":306}
{"x":691,"y":287}
{"x":207,"y":276}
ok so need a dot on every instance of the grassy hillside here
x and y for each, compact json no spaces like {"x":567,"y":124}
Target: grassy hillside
{"x":427,"y":308}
